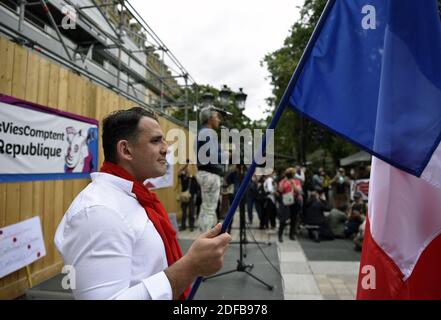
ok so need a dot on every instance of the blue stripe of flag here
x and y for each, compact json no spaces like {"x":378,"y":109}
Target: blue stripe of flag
{"x":374,"y":77}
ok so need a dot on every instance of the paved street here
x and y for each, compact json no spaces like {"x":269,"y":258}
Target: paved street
{"x":313,"y":271}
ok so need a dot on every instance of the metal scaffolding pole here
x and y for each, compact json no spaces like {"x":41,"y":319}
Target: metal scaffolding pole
{"x":162,"y":80}
{"x":120,"y":30}
{"x":54,"y":25}
{"x":22,"y":4}
{"x":186,"y":100}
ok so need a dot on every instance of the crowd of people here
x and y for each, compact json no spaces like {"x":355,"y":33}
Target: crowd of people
{"x":297,"y":198}
{"x":322,"y":206}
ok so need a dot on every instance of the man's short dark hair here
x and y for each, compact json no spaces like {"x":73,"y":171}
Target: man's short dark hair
{"x":121,"y":125}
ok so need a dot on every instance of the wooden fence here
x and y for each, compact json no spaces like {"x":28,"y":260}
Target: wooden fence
{"x":29,"y":76}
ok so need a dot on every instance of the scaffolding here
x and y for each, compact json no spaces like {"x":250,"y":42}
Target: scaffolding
{"x":106,"y":41}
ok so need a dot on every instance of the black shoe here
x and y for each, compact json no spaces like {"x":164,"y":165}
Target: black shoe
{"x":182,"y":228}
{"x":292,"y":237}
{"x":280,"y":238}
{"x":191,"y":229}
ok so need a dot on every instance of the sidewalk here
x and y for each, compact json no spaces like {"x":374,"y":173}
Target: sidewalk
{"x":307,"y":278}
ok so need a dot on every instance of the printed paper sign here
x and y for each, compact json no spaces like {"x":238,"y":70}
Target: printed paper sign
{"x":20,"y":245}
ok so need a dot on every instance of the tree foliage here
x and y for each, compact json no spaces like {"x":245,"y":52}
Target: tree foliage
{"x":295,"y":136}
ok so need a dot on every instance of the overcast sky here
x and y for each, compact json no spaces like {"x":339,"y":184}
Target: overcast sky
{"x":223,"y":42}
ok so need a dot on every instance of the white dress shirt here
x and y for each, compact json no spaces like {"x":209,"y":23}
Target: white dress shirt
{"x":113,"y":246}
{"x":268,"y":186}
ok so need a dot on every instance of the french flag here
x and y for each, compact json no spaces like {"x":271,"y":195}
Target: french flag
{"x":373,"y":76}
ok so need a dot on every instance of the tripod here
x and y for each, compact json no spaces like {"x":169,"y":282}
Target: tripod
{"x":241,"y":265}
{"x":243,"y":235}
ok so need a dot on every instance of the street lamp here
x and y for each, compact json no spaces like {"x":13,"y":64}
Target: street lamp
{"x":241,"y":97}
{"x":208,"y":100}
{"x":224,"y":98}
{"x":224,"y":95}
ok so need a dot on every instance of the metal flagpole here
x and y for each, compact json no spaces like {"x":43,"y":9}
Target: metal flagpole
{"x":278,"y":113}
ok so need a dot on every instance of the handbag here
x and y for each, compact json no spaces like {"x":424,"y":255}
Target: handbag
{"x":288,"y":199}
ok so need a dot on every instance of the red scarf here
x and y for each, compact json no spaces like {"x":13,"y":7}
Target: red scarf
{"x":156,"y":213}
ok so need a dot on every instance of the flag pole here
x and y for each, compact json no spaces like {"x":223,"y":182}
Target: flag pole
{"x":278,"y":113}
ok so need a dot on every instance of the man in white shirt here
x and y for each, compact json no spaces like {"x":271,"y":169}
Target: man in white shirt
{"x":268,"y":186}
{"x":116,"y":234}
